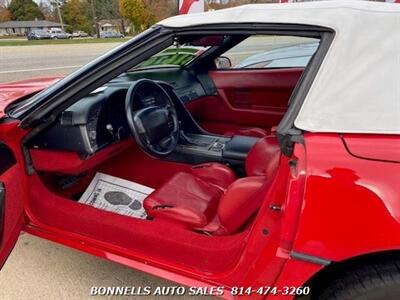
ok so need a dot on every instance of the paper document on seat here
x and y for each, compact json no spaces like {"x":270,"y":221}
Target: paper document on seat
{"x":116,"y":195}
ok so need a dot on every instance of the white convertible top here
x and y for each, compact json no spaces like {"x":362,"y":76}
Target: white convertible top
{"x":357,"y":88}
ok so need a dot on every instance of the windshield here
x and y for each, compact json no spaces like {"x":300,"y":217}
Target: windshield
{"x":184,"y":50}
{"x":172,"y":56}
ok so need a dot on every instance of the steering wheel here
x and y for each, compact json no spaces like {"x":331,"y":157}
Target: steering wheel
{"x":152,"y":118}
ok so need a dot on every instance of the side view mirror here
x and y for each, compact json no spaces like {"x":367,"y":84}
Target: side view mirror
{"x":223,"y":62}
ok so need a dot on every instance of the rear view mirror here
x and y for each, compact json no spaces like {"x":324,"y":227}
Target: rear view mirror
{"x":223,"y":62}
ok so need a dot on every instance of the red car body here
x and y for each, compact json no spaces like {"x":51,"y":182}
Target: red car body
{"x":17,"y":90}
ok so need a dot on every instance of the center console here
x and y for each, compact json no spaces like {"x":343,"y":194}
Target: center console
{"x":201,"y":148}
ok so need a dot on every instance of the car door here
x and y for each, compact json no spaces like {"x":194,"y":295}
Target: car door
{"x":254,"y":90}
{"x":11,"y":200}
{"x":256,"y":97}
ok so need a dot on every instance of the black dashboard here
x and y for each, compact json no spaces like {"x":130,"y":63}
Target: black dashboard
{"x":89,"y":125}
{"x":185,"y":85}
{"x":99,"y":122}
{"x":99,"y":119}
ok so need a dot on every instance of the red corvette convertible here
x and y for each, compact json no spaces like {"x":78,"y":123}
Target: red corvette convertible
{"x":261,"y":182}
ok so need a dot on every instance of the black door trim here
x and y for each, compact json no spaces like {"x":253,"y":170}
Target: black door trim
{"x":7,"y":158}
{"x":309,"y":258}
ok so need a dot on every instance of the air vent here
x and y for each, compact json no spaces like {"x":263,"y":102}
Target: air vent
{"x":185,"y":98}
{"x":67,"y":118}
{"x":193,"y":95}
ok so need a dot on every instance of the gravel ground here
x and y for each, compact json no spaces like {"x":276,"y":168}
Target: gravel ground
{"x":38,"y":269}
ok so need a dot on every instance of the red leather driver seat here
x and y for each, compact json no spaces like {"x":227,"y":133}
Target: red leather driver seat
{"x":211,"y":199}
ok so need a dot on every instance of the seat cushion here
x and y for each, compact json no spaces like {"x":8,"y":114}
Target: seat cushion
{"x":263,"y":158}
{"x":185,"y":198}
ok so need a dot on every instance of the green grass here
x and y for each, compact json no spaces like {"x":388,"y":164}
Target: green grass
{"x":19,"y":42}
{"x":7,"y":37}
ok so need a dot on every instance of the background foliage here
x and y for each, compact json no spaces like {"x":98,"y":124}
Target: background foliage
{"x":78,"y":16}
{"x":135,"y":15}
{"x":24,"y":10}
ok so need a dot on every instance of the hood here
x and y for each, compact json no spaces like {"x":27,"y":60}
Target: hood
{"x":10,"y":92}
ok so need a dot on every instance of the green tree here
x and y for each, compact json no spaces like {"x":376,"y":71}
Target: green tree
{"x":137,"y":13}
{"x":24,"y":10}
{"x":77,"y":14}
{"x":107,"y":9}
{"x":162,"y":9}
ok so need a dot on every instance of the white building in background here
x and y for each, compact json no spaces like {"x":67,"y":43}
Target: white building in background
{"x":221,"y":2}
{"x":22,"y":28}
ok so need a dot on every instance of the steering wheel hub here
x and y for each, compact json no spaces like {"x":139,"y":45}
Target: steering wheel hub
{"x":155,"y":127}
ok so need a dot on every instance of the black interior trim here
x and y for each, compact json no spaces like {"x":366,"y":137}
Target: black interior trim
{"x":188,"y":124}
{"x":309,"y":258}
{"x":7,"y":158}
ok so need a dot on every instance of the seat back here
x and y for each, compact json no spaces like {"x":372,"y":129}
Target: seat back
{"x":244,"y":196}
{"x":239,"y":203}
{"x":263,"y":157}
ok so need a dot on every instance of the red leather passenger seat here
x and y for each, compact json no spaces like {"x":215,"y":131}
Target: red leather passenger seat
{"x":185,"y":198}
{"x":211,"y":199}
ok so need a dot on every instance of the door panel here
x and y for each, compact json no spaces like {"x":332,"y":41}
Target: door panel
{"x":261,"y":90}
{"x":11,"y":204}
{"x":246,"y":98}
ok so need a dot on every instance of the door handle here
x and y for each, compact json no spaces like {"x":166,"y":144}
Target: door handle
{"x":241,"y":99}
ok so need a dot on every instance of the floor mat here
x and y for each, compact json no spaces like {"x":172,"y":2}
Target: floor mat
{"x":116,"y":195}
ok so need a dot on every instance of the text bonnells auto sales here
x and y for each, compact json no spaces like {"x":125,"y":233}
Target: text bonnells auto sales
{"x":155,"y":291}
